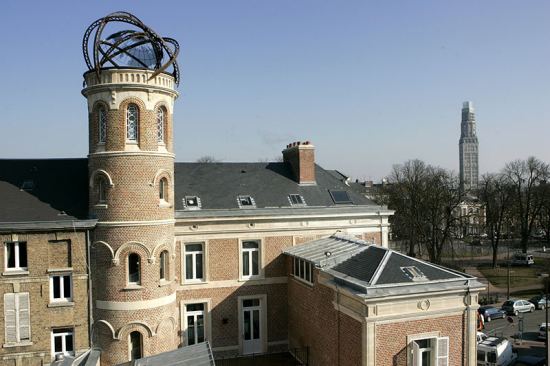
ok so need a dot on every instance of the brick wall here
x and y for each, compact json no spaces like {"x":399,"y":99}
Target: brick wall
{"x":391,"y":339}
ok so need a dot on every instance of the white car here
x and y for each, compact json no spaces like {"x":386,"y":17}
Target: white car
{"x":518,"y":306}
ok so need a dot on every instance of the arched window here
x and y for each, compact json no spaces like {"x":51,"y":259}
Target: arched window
{"x":132,"y":122}
{"x":101,"y":190}
{"x":133,"y":269}
{"x":164,"y":265}
{"x":102,"y":124}
{"x":161,"y":118}
{"x":163,"y":189}
{"x":135,"y":345}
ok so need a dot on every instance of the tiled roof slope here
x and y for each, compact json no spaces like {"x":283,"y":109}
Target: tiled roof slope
{"x":58,"y":185}
{"x":269,"y":184}
{"x":199,"y":354}
{"x":369,"y":268}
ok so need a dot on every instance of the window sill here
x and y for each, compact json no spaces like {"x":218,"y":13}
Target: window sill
{"x":20,"y":344}
{"x":163,"y":283}
{"x":61,"y":304}
{"x":251,"y":278}
{"x":16,"y":273}
{"x":302,"y":281}
{"x":194,"y":282}
{"x":101,"y":205}
{"x":164,"y":204}
{"x":132,"y":287}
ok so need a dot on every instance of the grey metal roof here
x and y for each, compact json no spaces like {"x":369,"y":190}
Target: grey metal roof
{"x":269,"y":184}
{"x":374,"y":270}
{"x":88,"y":358}
{"x":329,"y":251}
{"x":196,"y":355}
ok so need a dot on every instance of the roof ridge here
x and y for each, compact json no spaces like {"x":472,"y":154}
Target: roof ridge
{"x":380,"y":267}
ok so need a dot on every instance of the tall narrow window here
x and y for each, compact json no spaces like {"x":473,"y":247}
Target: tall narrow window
{"x":102,"y":124}
{"x":132,"y":122}
{"x":133,"y":269}
{"x":161,"y":117}
{"x":194,"y":320}
{"x":164,"y":265}
{"x":135,"y":345}
{"x":60,"y":288}
{"x":163,"y":189}
{"x":101,"y":190}
{"x":193,"y":262}
{"x":250,"y":252}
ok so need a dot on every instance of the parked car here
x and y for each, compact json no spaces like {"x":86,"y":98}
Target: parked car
{"x":540,"y":301}
{"x":495,"y":351}
{"x":490,"y":312}
{"x":530,"y":361}
{"x":522,"y":259}
{"x":542,"y":331}
{"x":517,"y":306}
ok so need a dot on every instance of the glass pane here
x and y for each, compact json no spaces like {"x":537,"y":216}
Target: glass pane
{"x":255,"y":269}
{"x":251,"y":302}
{"x":58,"y":344}
{"x":296,"y":266}
{"x":162,"y":265}
{"x":66,"y":286}
{"x":256,"y":324}
{"x":22,"y":254}
{"x":56,"y":288}
{"x":246,"y":264}
{"x":247,"y":325}
{"x":193,"y":248}
{"x":10,"y":252}
{"x":189,"y":267}
{"x":194,"y":307}
{"x":135,"y":344}
{"x":426,"y":358}
{"x":302,"y":269}
{"x":250,"y":244}
{"x":69,"y":342}
{"x":133,"y":268}
{"x":200,"y":329}
{"x":191,"y":330}
{"x":199,"y":265}
{"x":308,"y":272}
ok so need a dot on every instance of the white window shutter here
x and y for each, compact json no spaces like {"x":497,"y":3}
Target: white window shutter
{"x":415,"y":353}
{"x":442,"y":351}
{"x":10,"y":318}
{"x":24,"y":317}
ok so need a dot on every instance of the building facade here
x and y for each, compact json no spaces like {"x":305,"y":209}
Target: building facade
{"x":468,"y":147}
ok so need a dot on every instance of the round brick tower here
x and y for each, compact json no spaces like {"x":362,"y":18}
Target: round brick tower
{"x":131,"y":193}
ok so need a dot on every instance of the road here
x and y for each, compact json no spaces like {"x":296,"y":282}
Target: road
{"x":530,"y":344}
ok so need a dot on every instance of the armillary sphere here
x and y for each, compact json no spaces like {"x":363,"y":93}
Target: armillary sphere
{"x":140,"y":47}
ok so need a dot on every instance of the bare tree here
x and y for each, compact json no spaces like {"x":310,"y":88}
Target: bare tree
{"x":207,"y":159}
{"x":525,"y":176}
{"x":496,"y":196}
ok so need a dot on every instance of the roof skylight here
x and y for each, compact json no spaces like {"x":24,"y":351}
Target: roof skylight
{"x":340,"y":196}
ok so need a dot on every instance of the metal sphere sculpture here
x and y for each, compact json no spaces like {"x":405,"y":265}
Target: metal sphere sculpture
{"x":140,"y":47}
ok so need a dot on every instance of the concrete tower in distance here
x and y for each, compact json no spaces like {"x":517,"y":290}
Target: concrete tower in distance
{"x":130,"y":88}
{"x":468,"y":149}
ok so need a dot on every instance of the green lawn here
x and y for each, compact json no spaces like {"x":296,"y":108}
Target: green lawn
{"x":519,"y":276}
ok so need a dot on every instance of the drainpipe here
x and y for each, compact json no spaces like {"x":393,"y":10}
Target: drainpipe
{"x":90,"y":301}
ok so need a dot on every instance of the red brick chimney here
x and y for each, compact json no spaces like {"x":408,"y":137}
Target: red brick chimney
{"x":301,"y":157}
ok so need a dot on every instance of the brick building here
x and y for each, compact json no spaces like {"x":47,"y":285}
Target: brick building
{"x":161,"y":255}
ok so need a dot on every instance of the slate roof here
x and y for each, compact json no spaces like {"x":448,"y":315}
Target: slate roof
{"x":61,"y":186}
{"x":269,"y":184}
{"x":373,"y":270}
{"x":199,"y":354}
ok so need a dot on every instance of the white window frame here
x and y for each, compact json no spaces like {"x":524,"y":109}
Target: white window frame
{"x":19,"y":317}
{"x":62,"y":298}
{"x":63,"y":336}
{"x":17,"y":267}
{"x":193,"y":255}
{"x":207,"y":318}
{"x":251,"y":251}
{"x":439,"y":349}
{"x":195,"y":314}
{"x":305,"y":270}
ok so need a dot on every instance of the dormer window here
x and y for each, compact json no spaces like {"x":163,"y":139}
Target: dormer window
{"x":28,"y":185}
{"x":246,"y":202}
{"x":296,"y":200}
{"x":192,"y":203}
{"x":414,"y":273}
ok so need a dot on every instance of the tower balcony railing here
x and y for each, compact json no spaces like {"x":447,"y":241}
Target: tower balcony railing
{"x":129,"y":76}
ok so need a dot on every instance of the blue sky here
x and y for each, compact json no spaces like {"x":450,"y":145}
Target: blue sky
{"x":370,"y":83}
